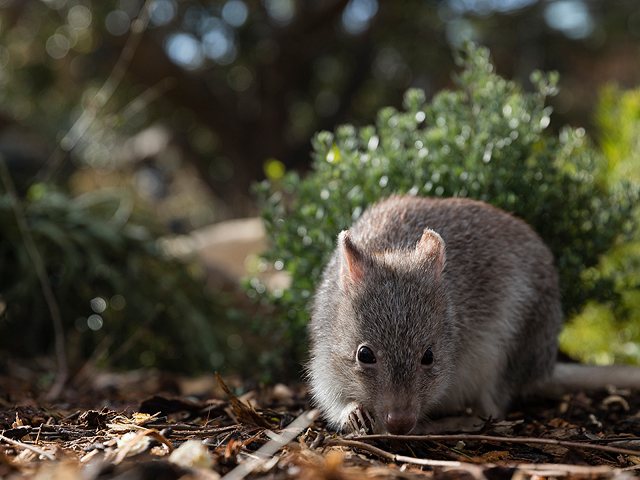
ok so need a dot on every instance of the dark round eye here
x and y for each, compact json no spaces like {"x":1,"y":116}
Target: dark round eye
{"x":427,"y":358}
{"x":365,"y":355}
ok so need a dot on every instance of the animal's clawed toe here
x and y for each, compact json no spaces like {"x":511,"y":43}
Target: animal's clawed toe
{"x":360,"y":421}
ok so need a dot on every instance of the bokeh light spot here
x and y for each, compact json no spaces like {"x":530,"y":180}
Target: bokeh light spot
{"x":117,"y":22}
{"x":147,"y":358}
{"x":95,"y":322}
{"x":161,"y":12}
{"x":118,"y":302}
{"x":357,"y":15}
{"x":234,"y":341}
{"x":218,"y":42}
{"x":98,"y":304}
{"x":235,"y":13}
{"x":79,"y":17}
{"x":274,"y":169}
{"x":185,"y":50}
{"x":571,"y":17}
{"x":239,"y":78}
{"x":280,"y":11}
{"x":57,"y":46}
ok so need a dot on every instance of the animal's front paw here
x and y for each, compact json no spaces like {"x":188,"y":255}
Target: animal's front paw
{"x":359,"y":421}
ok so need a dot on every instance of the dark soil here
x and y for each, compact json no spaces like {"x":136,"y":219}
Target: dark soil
{"x":115,"y":426}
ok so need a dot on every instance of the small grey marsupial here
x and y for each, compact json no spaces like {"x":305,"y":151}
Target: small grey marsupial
{"x":435,"y":313}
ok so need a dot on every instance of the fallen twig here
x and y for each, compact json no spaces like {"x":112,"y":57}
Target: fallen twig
{"x":36,"y":450}
{"x":270,"y":448}
{"x":391,"y":456}
{"x":489,"y":438}
{"x":558,"y":469}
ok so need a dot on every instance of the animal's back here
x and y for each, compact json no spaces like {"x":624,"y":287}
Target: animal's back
{"x":498,"y":272}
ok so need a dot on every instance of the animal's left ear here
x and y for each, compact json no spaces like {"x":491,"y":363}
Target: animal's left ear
{"x":353,"y":266}
{"x":430,"y":252}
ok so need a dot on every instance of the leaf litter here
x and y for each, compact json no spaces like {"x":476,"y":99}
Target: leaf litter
{"x":272,"y":432}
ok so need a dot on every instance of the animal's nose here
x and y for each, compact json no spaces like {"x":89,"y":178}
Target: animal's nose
{"x":399,"y":423}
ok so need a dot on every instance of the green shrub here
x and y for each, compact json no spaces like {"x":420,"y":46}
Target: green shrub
{"x":486,"y":140}
{"x":606,"y":332}
{"x":101,"y":262}
{"x":618,"y":119}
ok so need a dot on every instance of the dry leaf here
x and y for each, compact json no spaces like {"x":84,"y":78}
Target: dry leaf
{"x":493,"y":457}
{"x":246,"y":413}
{"x":558,"y":423}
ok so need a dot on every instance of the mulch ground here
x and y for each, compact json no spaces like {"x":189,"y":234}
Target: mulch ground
{"x":102,"y":430}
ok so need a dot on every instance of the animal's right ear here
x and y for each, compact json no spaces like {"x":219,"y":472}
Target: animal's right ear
{"x":352,"y":262}
{"x":430,"y":252}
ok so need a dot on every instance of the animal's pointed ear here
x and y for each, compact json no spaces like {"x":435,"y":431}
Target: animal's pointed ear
{"x":352,"y":261}
{"x":430,"y":252}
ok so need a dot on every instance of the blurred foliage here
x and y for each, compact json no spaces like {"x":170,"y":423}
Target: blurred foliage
{"x":111,"y":281}
{"x":617,"y":117}
{"x":274,"y":71}
{"x":486,"y":140}
{"x":97,"y":176}
{"x":607,"y":332}
{"x":221,"y":93}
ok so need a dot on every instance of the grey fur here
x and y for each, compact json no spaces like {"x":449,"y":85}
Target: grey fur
{"x":481,"y":293}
